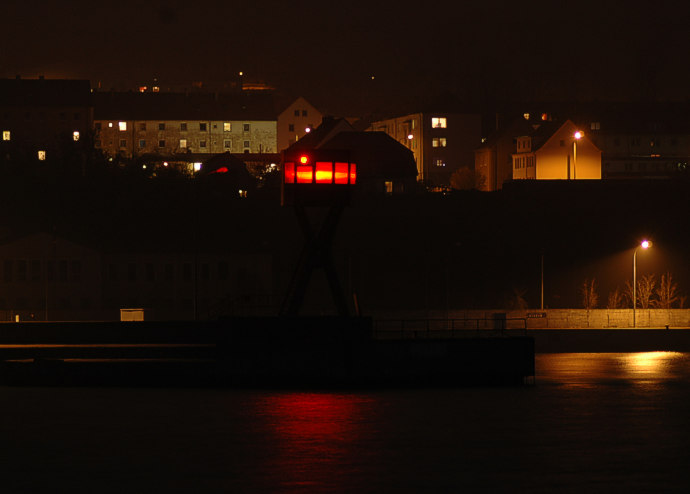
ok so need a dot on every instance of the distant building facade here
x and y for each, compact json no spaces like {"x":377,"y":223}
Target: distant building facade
{"x":294,"y":121}
{"x":131,"y":124}
{"x":440,"y":142}
{"x":556,"y":151}
{"x":493,"y":160}
{"x":43,"y":119}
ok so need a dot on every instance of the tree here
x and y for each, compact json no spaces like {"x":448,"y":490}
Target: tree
{"x":463,"y":178}
{"x":666,"y":292}
{"x":590,"y":298}
{"x":615,"y":299}
{"x":645,"y":291}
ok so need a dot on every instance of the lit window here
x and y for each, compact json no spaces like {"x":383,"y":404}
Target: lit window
{"x":142,"y":143}
{"x":202,"y":144}
{"x":242,"y":193}
{"x":155,"y":89}
{"x":122,"y":126}
{"x":438,"y":142}
{"x":110,"y":125}
{"x":75,"y":135}
{"x":183,"y":143}
{"x":246,"y":127}
{"x":161,"y":143}
{"x":227,"y":127}
{"x":439,"y":162}
{"x":197,"y":167}
{"x":438,"y":122}
{"x":5,"y":135}
{"x":203,"y":127}
{"x":42,"y":155}
{"x":227,"y":143}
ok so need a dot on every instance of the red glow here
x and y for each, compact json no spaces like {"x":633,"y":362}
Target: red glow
{"x":305,"y":174}
{"x":289,"y":173}
{"x":341,"y":173}
{"x":222,"y":169}
{"x":304,"y":159}
{"x":324,"y":172}
{"x":353,"y":173}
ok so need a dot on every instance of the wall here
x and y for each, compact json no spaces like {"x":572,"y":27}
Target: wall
{"x":556,"y":156}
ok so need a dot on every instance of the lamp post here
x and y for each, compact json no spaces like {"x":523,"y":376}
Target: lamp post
{"x":646,"y":244}
{"x":577,"y":136}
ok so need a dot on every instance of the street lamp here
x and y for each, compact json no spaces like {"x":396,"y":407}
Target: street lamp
{"x":577,"y":136}
{"x":646,"y":244}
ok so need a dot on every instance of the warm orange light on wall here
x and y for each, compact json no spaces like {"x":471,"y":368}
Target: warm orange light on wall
{"x":341,"y":173}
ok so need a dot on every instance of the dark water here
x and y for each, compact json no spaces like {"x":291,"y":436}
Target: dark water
{"x":592,"y":423}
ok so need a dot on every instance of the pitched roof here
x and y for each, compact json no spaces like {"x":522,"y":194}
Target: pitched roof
{"x":376,"y":154}
{"x":183,"y":106}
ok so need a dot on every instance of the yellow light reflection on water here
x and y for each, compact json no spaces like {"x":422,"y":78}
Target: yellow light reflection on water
{"x":654,"y":364}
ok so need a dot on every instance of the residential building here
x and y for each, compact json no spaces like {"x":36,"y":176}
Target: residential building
{"x":556,"y":151}
{"x":441,"y":143}
{"x":131,"y":124}
{"x":43,"y":119}
{"x":298,"y":119}
{"x":493,"y":160}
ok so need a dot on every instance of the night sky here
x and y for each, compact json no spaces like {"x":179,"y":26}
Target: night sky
{"x":329,"y":51}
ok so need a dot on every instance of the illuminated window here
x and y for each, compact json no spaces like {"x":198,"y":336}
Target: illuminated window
{"x":242,"y":193}
{"x":197,"y":167}
{"x":123,"y":143}
{"x":161,"y":143}
{"x":439,"y":162}
{"x":227,"y":143}
{"x":142,"y":126}
{"x":5,"y":135}
{"x":183,"y":127}
{"x":202,"y":144}
{"x":227,"y":127}
{"x":246,"y":127}
{"x":155,"y":89}
{"x":161,"y":126}
{"x":142,"y":143}
{"x":389,"y":187}
{"x":122,"y":126}
{"x":438,"y":122}
{"x":42,"y":155}
{"x":203,"y":127}
{"x":110,"y":125}
{"x":183,"y":143}
{"x":438,"y":142}
{"x":75,"y":135}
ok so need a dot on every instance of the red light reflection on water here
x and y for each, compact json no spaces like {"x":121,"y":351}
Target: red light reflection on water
{"x":314,"y":434}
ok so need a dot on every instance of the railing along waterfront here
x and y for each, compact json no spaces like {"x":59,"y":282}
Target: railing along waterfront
{"x":447,"y":328}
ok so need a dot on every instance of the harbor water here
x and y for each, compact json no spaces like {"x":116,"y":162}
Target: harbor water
{"x":592,"y":422}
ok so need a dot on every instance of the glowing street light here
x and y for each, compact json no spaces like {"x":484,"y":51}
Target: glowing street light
{"x":645,"y":244}
{"x":577,"y":136}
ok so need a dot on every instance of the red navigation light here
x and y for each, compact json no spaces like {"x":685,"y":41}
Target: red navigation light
{"x":305,"y":174}
{"x":304,"y":159}
{"x":289,"y":173}
{"x":341,"y":173}
{"x":353,"y":173}
{"x":324,"y":172}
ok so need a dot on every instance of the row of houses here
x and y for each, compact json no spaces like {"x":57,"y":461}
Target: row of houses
{"x":41,"y":118}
